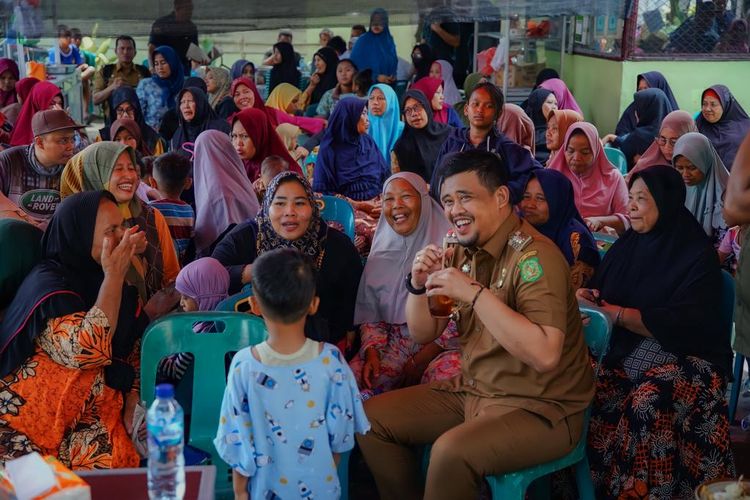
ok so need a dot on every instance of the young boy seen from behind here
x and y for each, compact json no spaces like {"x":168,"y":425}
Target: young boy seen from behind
{"x":170,"y":176}
{"x":291,"y":403}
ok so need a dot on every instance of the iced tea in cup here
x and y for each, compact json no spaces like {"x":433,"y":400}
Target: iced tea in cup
{"x":442,"y":306}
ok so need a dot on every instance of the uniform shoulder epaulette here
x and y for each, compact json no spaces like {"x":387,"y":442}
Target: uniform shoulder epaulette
{"x":519,"y":240}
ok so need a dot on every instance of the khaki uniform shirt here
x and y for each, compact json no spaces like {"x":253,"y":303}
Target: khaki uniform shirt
{"x":130,"y":76}
{"x":527,"y":272}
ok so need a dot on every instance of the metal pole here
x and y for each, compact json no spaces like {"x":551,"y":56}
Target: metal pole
{"x":476,"y":45}
{"x":506,"y":62}
{"x":562,"y":46}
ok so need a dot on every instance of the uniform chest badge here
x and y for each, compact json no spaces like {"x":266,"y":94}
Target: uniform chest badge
{"x":466,"y":268}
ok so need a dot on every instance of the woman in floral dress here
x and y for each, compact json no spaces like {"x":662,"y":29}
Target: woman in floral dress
{"x":389,"y":358}
{"x":70,"y":343}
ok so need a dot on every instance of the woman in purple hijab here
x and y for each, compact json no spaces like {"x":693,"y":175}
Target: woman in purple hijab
{"x":389,"y":358}
{"x":723,"y":121}
{"x":223,"y":193}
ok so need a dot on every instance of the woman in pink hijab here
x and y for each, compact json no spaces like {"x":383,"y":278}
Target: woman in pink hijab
{"x":601,"y":194}
{"x":675,"y":125}
{"x":565,"y":99}
{"x":516,"y":125}
{"x":224,"y":195}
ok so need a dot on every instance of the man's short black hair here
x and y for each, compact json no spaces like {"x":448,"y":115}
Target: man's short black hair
{"x":124,"y":38}
{"x":170,"y":171}
{"x":495,"y":94}
{"x":76,"y":33}
{"x":63,"y":31}
{"x":489,"y":167}
{"x":284,"y":284}
{"x":338,"y":44}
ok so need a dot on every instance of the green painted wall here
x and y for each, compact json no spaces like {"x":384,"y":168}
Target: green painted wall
{"x":689,"y":79}
{"x":604,"y":88}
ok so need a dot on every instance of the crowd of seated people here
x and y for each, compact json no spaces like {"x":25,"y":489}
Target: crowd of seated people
{"x":197,"y":189}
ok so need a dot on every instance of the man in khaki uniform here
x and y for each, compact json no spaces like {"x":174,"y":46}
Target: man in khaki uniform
{"x":526,"y":379}
{"x":124,"y":72}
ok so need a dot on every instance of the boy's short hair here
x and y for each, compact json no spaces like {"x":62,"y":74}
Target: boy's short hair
{"x":63,"y":31}
{"x":489,"y":167}
{"x":273,"y":162}
{"x":170,"y":171}
{"x":284,"y":284}
{"x":76,"y":33}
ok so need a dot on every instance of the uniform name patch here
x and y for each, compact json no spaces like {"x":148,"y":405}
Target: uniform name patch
{"x":531,"y":270}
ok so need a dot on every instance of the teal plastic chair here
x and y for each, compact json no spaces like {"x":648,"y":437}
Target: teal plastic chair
{"x":239,"y":302}
{"x":513,"y":485}
{"x":334,"y":209}
{"x":173,"y":334}
{"x":603,"y":242}
{"x":617,"y":159}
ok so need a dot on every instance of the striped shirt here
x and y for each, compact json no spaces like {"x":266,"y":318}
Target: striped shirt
{"x":180,"y":218}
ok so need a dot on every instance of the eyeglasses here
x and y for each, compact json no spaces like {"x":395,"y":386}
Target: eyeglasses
{"x":413,"y":110}
{"x":662,"y":141}
{"x":125,"y":111}
{"x":65,"y":141}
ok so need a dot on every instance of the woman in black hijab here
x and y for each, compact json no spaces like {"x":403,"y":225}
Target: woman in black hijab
{"x":195,"y":116}
{"x":422,"y":59}
{"x":284,"y":68}
{"x":659,"y":421}
{"x":651,"y":106}
{"x":538,"y":107}
{"x":420,"y":142}
{"x":124,"y":103}
{"x":325,"y":62}
{"x":70,"y":341}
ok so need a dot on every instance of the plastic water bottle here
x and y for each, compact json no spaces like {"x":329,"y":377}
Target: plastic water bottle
{"x":166,"y":463}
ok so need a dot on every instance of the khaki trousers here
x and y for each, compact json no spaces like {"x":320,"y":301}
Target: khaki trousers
{"x":473,"y":437}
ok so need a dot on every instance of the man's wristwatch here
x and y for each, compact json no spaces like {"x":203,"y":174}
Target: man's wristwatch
{"x":411,"y":289}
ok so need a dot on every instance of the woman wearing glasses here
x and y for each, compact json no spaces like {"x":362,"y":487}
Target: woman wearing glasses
{"x":675,"y":125}
{"x":125,"y":104}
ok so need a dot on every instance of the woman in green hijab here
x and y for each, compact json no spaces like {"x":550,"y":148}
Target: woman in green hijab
{"x":111,"y":166}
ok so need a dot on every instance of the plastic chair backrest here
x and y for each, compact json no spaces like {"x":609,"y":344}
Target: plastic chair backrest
{"x":174,"y":333}
{"x":603,"y":242}
{"x":617,"y":159}
{"x":239,"y":302}
{"x":596,"y":332}
{"x":334,"y":209}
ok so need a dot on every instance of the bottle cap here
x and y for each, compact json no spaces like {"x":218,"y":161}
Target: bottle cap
{"x":164,"y":391}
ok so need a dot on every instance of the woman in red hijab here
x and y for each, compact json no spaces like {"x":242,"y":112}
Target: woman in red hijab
{"x":244,"y":95}
{"x":443,"y":112}
{"x":44,"y":95}
{"x":255,"y":139}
